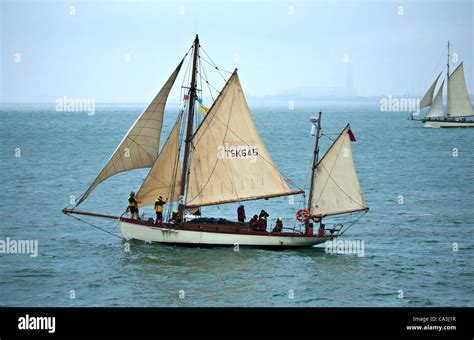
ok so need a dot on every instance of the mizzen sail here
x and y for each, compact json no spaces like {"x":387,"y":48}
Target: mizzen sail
{"x":336,"y":185}
{"x":229,"y":160}
{"x":459,"y":104}
{"x":164,"y":177}
{"x":139,"y":148}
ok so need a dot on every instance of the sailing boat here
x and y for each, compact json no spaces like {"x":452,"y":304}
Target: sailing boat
{"x":225,"y":161}
{"x":459,"y":106}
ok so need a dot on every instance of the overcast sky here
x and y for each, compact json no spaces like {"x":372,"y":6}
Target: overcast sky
{"x":123,"y":51}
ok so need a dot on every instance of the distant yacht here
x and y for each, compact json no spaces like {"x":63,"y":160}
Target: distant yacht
{"x":458,"y":109}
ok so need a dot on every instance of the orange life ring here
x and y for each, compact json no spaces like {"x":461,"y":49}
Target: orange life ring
{"x":303,"y":215}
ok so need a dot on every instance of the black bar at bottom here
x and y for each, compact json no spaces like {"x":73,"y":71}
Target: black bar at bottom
{"x":290,"y":322}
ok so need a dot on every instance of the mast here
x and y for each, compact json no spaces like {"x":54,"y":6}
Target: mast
{"x":447,"y":84}
{"x":189,"y":129}
{"x":315,"y":162}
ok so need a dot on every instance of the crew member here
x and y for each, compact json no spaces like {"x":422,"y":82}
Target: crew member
{"x":176,"y":216}
{"x":241,"y":213}
{"x":262,"y":218}
{"x":253,"y":222}
{"x":133,"y":206}
{"x":278,"y":225}
{"x":159,"y":203}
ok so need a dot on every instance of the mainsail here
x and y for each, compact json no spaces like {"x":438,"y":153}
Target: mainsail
{"x":164,"y":177}
{"x":428,"y":97}
{"x":436,"y":109}
{"x":139,"y":148}
{"x":459,"y":104}
{"x":229,"y":160}
{"x":336,"y":185}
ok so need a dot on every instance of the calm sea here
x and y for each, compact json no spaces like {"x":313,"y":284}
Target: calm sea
{"x":418,"y":234}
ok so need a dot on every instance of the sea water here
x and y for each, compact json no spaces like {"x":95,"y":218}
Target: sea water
{"x":417,"y":237}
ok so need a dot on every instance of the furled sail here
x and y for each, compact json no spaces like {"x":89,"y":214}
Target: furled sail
{"x":436,"y":109}
{"x":229,"y":160}
{"x":139,"y":148}
{"x":164,"y":177}
{"x":428,"y":97}
{"x":459,"y":104}
{"x":336,"y":185}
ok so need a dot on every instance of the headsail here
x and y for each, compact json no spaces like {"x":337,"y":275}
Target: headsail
{"x":436,"y":109}
{"x":337,"y":189}
{"x":164,"y":177}
{"x":459,"y":104}
{"x":229,"y":160}
{"x":139,"y":148}
{"x":428,"y":97}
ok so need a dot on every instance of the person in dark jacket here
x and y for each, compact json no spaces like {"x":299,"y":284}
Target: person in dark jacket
{"x":253,"y":223}
{"x":241,"y":213}
{"x":262,"y":218}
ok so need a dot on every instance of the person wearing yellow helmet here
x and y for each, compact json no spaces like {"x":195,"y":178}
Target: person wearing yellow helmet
{"x":278,"y":225}
{"x":175,"y":216}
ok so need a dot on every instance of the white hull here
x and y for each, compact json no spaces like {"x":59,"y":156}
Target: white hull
{"x":447,"y":124}
{"x":177,"y":236}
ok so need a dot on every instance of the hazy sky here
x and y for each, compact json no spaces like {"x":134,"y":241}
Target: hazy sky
{"x":119,"y":51}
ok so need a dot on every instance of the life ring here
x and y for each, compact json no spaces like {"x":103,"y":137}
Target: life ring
{"x":316,"y":219}
{"x":303,"y":215}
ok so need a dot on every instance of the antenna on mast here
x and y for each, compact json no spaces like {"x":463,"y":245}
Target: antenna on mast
{"x":316,"y":122}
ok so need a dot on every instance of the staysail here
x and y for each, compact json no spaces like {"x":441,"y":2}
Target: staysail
{"x":459,"y":104}
{"x":164,"y":177}
{"x":139,"y":148}
{"x":229,"y":160}
{"x":428,"y":97}
{"x":436,"y":109}
{"x":336,"y":185}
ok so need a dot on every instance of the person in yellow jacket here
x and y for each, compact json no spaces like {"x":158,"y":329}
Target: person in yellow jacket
{"x":133,"y":206}
{"x":159,"y":204}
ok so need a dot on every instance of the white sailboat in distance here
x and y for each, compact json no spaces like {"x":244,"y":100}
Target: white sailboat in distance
{"x":459,"y":110}
{"x":202,"y":176}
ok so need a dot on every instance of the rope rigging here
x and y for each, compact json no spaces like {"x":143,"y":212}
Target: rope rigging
{"x":94,"y":226}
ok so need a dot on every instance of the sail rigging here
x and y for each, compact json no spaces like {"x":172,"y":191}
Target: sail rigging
{"x":164,"y":177}
{"x":336,"y":186}
{"x":436,"y":108}
{"x":139,"y":147}
{"x":229,"y":161}
{"x":459,"y":103}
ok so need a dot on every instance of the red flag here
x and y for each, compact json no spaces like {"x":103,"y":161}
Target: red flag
{"x":186,"y":97}
{"x":351,"y":135}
